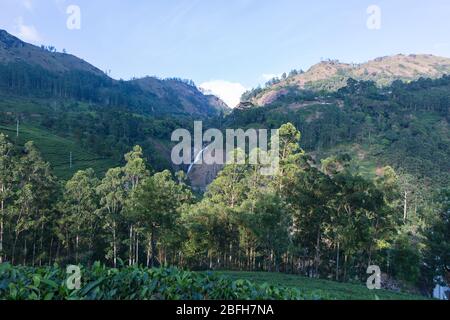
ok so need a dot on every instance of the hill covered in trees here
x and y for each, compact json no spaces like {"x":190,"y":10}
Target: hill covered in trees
{"x":315,"y":219}
{"x":363,"y":179}
{"x":405,"y":125}
{"x":61,"y":97}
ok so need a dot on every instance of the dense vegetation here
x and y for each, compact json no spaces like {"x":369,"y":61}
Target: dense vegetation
{"x":136,"y":96}
{"x":405,"y":125}
{"x":63,"y":95}
{"x":134,"y":283}
{"x":98,"y":282}
{"x":314,"y":288}
{"x":364,"y":179}
{"x":320,"y":220}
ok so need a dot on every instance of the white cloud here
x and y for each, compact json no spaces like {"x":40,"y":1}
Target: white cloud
{"x":27,"y":32}
{"x":229,"y":92}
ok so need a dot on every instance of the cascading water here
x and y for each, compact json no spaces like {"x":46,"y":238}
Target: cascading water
{"x":198,"y":157}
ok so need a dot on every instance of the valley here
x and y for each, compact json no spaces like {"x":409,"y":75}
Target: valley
{"x":87,"y":178}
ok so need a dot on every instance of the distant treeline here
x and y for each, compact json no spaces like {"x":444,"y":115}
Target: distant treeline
{"x":34,"y":81}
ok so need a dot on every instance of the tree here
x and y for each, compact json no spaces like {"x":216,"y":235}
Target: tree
{"x":271,"y":224}
{"x":309,"y":197}
{"x":135,"y":170}
{"x":154,"y":204}
{"x":6,"y":183}
{"x":290,"y":154}
{"x":79,"y":205}
{"x":112,"y":200}
{"x":34,"y":198}
{"x":436,"y":269}
{"x":229,"y":187}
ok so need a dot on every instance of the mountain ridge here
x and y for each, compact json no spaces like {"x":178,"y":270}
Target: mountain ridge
{"x":332,"y":75}
{"x":173,"y":95}
{"x":13,"y":50}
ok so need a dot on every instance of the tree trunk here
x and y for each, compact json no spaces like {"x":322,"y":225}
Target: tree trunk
{"x":25,"y":252}
{"x":14,"y":249}
{"x":345,"y":267}
{"x":41,"y":249}
{"x":317,"y":253}
{"x":77,"y":241}
{"x":148,"y":253}
{"x":1,"y":230}
{"x":137,"y":249}
{"x":114,"y":246}
{"x":153,"y":247}
{"x":34,"y":249}
{"x":405,"y":212}
{"x":337,"y":262}
{"x":130,"y":247}
{"x":49,"y":253}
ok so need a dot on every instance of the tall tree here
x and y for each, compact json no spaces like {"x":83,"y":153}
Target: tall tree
{"x":155,"y":205}
{"x":6,"y":183}
{"x":80,"y":204}
{"x":135,"y":171}
{"x":112,"y":199}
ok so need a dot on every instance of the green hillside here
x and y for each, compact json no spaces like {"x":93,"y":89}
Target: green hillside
{"x":56,"y":150}
{"x":320,"y":289}
{"x":405,"y":125}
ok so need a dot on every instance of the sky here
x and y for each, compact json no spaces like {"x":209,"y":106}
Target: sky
{"x":228,"y":46}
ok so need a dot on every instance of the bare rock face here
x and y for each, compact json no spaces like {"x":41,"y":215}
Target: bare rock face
{"x":245,"y":105}
{"x":205,"y":170}
{"x":202,"y":175}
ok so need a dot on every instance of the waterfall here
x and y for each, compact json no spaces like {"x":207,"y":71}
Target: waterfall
{"x":198,"y":157}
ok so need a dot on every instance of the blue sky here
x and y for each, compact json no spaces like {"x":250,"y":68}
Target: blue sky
{"x":228,"y":45}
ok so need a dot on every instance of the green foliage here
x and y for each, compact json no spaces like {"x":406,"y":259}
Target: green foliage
{"x":313,"y":288}
{"x":101,"y":283}
{"x":391,"y":124}
{"x":325,"y":220}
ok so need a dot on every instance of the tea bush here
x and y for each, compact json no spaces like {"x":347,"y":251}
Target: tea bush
{"x":131,"y":283}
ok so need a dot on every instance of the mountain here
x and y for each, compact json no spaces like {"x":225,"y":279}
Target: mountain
{"x":193,"y":100}
{"x":66,"y":105}
{"x":14,"y":50}
{"x":404,"y":125}
{"x":72,"y":110}
{"x":332,"y":75}
{"x":43,"y":72}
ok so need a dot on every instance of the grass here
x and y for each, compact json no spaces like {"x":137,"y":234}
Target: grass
{"x":314,"y":288}
{"x":56,"y":150}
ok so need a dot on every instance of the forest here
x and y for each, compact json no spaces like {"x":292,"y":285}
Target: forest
{"x":320,"y":219}
{"x":363,"y":180}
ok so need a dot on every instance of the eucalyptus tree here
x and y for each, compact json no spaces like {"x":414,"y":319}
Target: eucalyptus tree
{"x":80,"y":203}
{"x":270,"y":223}
{"x":6,"y":184}
{"x":155,"y":205}
{"x":290,"y":155}
{"x":135,"y":171}
{"x":112,"y":200}
{"x":34,"y":198}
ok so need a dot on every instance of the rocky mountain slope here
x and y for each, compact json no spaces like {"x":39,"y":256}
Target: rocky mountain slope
{"x":332,"y":75}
